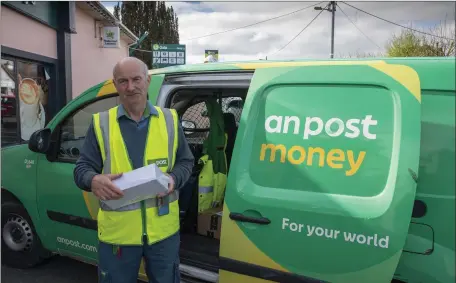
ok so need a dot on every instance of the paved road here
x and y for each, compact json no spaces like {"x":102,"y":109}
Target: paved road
{"x":58,"y":269}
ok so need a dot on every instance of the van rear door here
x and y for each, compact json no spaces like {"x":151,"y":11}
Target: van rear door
{"x":323,"y":176}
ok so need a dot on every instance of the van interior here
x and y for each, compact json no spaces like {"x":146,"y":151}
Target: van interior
{"x":196,"y":249}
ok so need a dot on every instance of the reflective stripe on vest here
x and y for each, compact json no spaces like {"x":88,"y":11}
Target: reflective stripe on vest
{"x":126,"y":224}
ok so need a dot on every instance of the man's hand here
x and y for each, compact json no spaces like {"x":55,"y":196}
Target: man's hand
{"x":104,"y":189}
{"x":171,"y":186}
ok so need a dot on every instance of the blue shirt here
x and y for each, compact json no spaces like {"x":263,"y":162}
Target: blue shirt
{"x":134,"y":134}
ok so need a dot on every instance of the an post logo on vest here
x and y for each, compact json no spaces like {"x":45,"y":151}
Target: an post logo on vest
{"x":160,"y":162}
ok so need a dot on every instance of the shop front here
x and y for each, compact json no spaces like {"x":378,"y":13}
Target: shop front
{"x":29,"y":63}
{"x":37,"y":73}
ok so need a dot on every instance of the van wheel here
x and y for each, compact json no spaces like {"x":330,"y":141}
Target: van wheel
{"x":21,"y":246}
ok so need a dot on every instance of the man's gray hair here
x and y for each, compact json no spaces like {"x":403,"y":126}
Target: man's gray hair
{"x":134,"y":59}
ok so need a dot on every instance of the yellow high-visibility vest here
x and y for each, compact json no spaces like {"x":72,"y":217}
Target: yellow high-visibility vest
{"x":211,"y":185}
{"x":129,"y":224}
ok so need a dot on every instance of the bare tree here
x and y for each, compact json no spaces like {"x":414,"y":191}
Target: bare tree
{"x":360,"y":54}
{"x":444,"y":47}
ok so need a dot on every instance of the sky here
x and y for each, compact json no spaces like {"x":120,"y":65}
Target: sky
{"x":360,"y":33}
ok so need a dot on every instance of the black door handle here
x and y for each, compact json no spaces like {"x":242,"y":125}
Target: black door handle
{"x":243,"y":218}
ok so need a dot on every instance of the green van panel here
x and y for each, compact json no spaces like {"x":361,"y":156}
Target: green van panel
{"x":332,"y":154}
{"x":156,"y":82}
{"x":420,"y":239}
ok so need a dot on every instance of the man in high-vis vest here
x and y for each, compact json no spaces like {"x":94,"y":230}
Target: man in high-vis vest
{"x":126,"y":137}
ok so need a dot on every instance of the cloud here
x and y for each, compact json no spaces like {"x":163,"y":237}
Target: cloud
{"x":259,"y":41}
{"x":110,"y":5}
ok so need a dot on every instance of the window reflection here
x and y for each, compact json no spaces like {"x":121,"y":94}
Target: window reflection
{"x":24,"y":99}
{"x":33,"y":93}
{"x":8,"y":101}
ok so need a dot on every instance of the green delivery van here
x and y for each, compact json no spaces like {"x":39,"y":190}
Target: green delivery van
{"x":340,"y":171}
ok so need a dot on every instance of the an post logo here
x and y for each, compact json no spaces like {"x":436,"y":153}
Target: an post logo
{"x":160,"y":162}
{"x":348,"y":160}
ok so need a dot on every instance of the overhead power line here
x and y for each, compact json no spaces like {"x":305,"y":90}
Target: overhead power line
{"x":388,"y":21}
{"x":275,"y":18}
{"x":299,"y":32}
{"x":348,"y":18}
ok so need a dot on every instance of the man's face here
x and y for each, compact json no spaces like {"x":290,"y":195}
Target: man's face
{"x":131,"y":83}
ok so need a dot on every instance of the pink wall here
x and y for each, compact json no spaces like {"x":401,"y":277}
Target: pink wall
{"x":17,"y":31}
{"x":91,"y":64}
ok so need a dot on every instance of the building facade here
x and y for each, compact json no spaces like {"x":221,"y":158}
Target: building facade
{"x":50,"y":53}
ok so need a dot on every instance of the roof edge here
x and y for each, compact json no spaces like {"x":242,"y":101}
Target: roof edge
{"x":97,"y":7}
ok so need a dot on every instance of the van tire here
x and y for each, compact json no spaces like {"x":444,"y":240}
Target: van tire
{"x":21,"y":246}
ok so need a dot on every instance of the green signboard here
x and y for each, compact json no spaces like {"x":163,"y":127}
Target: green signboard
{"x":164,"y":55}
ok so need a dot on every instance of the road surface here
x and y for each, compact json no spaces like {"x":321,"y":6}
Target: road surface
{"x":57,"y":269}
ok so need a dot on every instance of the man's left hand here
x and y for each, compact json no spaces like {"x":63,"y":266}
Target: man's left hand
{"x":171,"y":186}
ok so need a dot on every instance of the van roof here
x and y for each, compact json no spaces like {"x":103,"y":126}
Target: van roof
{"x":252,"y":65}
{"x":434,"y":72}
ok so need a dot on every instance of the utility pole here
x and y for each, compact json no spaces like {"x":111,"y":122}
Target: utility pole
{"x":332,"y":9}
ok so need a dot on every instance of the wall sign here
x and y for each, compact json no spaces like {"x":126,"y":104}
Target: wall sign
{"x":111,"y":37}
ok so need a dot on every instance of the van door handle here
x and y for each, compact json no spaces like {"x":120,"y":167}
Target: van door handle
{"x":240,"y":217}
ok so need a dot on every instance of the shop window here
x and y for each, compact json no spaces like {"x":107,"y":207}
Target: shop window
{"x":74,"y":128}
{"x":9,"y":116}
{"x":32,"y":94}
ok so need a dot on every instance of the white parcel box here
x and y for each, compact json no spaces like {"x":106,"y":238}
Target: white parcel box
{"x":140,"y":184}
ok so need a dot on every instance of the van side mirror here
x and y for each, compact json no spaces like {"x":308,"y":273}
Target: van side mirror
{"x":40,"y":140}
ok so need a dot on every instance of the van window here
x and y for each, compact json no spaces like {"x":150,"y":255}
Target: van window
{"x":74,"y":128}
{"x":233,"y":105}
{"x":197,"y":113}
